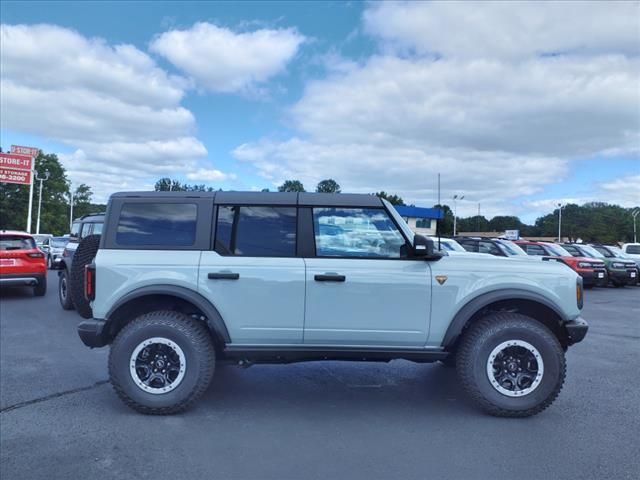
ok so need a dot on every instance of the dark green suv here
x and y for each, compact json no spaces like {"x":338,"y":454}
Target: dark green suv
{"x":621,"y":271}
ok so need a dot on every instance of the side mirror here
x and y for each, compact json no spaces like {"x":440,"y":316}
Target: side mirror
{"x":422,"y":247}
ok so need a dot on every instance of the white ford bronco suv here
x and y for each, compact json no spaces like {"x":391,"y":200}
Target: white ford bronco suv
{"x":183,"y":281}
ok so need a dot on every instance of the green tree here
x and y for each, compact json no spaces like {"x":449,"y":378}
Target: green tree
{"x":291,"y":186}
{"x":445,"y":224}
{"x":391,"y":198}
{"x":328,"y":186}
{"x":504,"y":222}
{"x":167,"y":184}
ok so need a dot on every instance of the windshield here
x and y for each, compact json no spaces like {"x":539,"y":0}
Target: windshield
{"x":618,"y":252}
{"x":511,"y":248}
{"x":604,"y":251}
{"x":59,"y":242}
{"x":557,"y":250}
{"x":590,"y":251}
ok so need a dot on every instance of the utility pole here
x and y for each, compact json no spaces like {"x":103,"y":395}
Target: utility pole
{"x":33,"y":166}
{"x":455,"y":212}
{"x":559,"y":223}
{"x":634,"y":214}
{"x":70,"y":208}
{"x":41,"y":180}
{"x":478,"y":222}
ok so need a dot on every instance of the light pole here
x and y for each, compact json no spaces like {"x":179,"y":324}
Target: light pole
{"x":559,"y":223}
{"x":634,"y":214}
{"x":70,"y":208}
{"x":455,"y":212}
{"x":41,"y":180}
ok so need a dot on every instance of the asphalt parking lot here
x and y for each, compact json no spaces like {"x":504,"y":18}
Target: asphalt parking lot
{"x":59,"y":418}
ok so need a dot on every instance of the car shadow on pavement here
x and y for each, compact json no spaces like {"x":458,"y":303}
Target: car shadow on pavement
{"x":341,"y":388}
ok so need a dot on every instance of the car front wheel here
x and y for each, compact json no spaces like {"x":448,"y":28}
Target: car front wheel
{"x":511,"y":365}
{"x":162,"y":362}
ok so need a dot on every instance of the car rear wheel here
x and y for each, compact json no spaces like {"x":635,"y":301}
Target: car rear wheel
{"x":511,"y":365}
{"x":40,"y":289}
{"x":63,"y":290}
{"x":162,"y":362}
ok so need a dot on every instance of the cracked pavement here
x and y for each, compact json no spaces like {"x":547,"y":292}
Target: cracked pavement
{"x":60,"y":420}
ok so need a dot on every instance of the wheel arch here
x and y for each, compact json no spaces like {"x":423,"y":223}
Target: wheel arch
{"x":166,"y":297}
{"x":525,"y":302}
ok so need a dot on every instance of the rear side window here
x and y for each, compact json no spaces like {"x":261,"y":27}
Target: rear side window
{"x":255,"y":231}
{"x":156,"y":224}
{"x":633,"y":249}
{"x":16,"y":242}
{"x":488,"y":247}
{"x":535,"y":250}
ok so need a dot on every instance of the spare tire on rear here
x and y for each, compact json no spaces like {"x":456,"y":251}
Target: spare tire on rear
{"x":84,"y":255}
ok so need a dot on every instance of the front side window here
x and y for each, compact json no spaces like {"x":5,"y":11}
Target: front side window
{"x":357,"y":232}
{"x":97,"y":229}
{"x":156,"y":224}
{"x":535,"y":250}
{"x":255,"y":231}
{"x":485,"y":246}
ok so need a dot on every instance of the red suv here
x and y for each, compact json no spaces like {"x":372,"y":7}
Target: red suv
{"x":21,"y":262}
{"x":592,"y":270}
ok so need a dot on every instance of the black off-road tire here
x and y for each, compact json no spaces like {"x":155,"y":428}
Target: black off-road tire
{"x":63,"y":290}
{"x":485,"y":335}
{"x":192,"y":336}
{"x":40,"y":290}
{"x":84,"y":255}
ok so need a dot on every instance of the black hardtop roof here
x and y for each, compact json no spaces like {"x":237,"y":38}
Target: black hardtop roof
{"x":84,"y":218}
{"x":268,"y":198}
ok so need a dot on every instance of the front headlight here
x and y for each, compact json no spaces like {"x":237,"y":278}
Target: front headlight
{"x":584,"y":265}
{"x":617,"y":265}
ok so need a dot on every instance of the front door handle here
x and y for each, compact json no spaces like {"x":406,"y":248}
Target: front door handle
{"x":330,"y":277}
{"x":223,"y":276}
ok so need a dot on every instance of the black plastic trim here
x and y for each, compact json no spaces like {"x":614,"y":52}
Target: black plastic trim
{"x":576,"y":330}
{"x":211,"y":312}
{"x":473,"y":306}
{"x":275,"y":354}
{"x":93,"y":333}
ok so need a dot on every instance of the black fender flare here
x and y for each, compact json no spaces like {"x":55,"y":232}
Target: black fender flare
{"x":476,"y":304}
{"x":214,"y":319}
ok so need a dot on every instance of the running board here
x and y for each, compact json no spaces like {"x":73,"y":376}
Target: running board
{"x":246,"y":355}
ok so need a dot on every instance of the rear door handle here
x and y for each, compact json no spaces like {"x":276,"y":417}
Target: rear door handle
{"x":329,"y":278}
{"x":223,"y":276}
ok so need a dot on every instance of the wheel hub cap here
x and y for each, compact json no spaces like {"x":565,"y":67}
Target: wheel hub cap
{"x":515,"y":368}
{"x":157,"y":365}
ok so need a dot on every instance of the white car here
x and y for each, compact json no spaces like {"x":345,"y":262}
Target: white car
{"x":630,"y":251}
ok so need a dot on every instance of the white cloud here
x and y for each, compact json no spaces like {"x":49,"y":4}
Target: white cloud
{"x":623,"y":191}
{"x":495,"y":128}
{"x":506,"y":30}
{"x":210,"y":175}
{"x":117,"y":110}
{"x":221,"y":60}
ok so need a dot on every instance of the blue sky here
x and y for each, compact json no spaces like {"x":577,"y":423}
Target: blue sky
{"x":518,"y":110}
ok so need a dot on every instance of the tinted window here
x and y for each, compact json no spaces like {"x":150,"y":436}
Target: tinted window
{"x":633,"y":249}
{"x":535,"y":250}
{"x":97,"y":229}
{"x":256,"y":231}
{"x":16,"y":242}
{"x":153,"y":224}
{"x":485,"y":246}
{"x":469,"y":245}
{"x":572,"y":250}
{"x":356,"y":232}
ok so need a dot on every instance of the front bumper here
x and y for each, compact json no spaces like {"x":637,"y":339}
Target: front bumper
{"x":576,"y":330}
{"x":598,"y":277}
{"x":624,"y":277}
{"x":93,"y":333}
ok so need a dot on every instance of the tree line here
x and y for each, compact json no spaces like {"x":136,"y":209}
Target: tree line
{"x":591,"y":222}
{"x":54,"y":218}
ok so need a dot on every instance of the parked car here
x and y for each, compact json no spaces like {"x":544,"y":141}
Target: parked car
{"x":56,"y":249}
{"x":620,"y":272}
{"x":22,"y":263}
{"x":82,"y":227}
{"x":249,"y":277}
{"x":614,"y":253}
{"x":494,"y":246}
{"x":593,"y":272}
{"x":42,"y":241}
{"x":632,"y":250}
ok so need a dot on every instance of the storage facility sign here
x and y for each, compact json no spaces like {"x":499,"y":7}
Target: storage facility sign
{"x":10,"y":175}
{"x":28,"y":151}
{"x":15,"y":161}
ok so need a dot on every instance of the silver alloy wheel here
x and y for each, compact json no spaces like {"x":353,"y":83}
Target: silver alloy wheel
{"x":63,"y":287}
{"x":157,"y":365}
{"x":515,"y":368}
